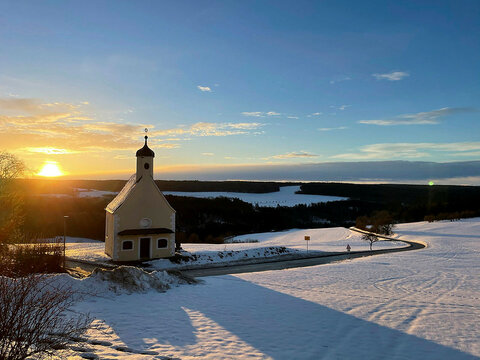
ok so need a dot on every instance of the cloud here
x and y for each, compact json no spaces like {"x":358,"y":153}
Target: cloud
{"x":210,"y":129}
{"x":292,"y":155}
{"x":417,"y":172}
{"x":204,"y":88}
{"x":48,"y":150}
{"x":253,"y":113}
{"x":292,"y":117}
{"x":421,"y":118}
{"x":61,"y":129}
{"x":208,"y":154}
{"x":340,"y":79}
{"x":392,"y":76}
{"x":260,"y":113}
{"x":333,"y":128}
{"x":411,"y":150}
{"x":341,"y":107}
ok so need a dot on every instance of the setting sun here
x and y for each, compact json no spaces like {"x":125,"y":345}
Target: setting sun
{"x":50,"y":169}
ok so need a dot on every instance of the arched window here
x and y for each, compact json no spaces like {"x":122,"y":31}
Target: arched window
{"x":162,"y":243}
{"x":127,"y":245}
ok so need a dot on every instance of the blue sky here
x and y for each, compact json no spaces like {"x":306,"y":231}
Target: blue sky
{"x":239,"y":82}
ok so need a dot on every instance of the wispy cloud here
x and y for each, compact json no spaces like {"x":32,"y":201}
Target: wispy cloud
{"x":292,"y":155}
{"x":204,"y":88}
{"x":208,"y":154}
{"x":315,"y":114}
{"x":332,"y":128}
{"x":421,"y":118}
{"x":341,"y":107}
{"x":293,"y":117}
{"x":210,"y":129}
{"x":61,"y":129}
{"x":340,"y":79}
{"x":253,"y":113}
{"x":48,"y":150}
{"x":260,"y":113}
{"x":411,"y":150}
{"x":391,"y":76}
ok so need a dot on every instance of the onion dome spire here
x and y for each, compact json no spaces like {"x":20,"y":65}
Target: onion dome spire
{"x":145,"y":150}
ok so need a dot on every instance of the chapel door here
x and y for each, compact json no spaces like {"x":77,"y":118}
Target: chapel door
{"x":145,"y":248}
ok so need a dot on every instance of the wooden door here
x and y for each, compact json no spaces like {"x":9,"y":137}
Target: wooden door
{"x":145,"y":248}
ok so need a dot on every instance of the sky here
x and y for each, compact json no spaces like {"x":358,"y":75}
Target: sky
{"x":238,"y":84}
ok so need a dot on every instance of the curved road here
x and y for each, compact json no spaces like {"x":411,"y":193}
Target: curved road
{"x":83,"y":268}
{"x":311,"y":261}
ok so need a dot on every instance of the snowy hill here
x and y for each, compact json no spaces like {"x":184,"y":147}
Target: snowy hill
{"x":420,"y":304}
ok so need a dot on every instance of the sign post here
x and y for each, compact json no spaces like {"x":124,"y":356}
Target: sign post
{"x":307,"y":239}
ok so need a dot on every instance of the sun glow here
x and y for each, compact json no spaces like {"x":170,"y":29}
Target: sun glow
{"x":50,"y":169}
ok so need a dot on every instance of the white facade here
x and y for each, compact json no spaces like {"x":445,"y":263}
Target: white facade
{"x":140,"y":223}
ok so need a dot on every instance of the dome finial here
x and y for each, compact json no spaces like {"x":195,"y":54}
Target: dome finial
{"x":145,"y":150}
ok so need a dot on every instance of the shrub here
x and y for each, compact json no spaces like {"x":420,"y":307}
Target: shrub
{"x":32,"y":317}
{"x":24,"y":259}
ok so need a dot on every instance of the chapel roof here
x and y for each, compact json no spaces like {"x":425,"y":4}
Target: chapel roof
{"x":122,"y":195}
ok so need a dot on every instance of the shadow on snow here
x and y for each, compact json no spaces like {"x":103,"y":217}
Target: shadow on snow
{"x":278,"y":325}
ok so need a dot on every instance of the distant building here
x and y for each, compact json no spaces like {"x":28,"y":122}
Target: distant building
{"x":140,"y":223}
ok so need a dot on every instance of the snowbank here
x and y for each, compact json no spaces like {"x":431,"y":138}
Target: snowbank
{"x":122,"y":280}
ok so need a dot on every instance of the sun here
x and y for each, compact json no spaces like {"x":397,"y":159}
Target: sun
{"x":50,"y":169}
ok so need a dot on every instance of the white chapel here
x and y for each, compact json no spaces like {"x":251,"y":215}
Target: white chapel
{"x":140,"y":223}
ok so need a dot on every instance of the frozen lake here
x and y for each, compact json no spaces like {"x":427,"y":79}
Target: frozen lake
{"x":285,"y":197}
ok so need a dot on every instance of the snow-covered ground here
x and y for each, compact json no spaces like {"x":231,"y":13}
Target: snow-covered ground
{"x":243,"y":247}
{"x":81,"y":193}
{"x":422,"y":304}
{"x":285,"y":197}
{"x":93,"y":193}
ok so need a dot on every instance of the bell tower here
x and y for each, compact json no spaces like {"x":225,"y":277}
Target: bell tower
{"x":145,"y":157}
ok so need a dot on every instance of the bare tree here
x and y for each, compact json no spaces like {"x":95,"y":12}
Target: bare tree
{"x":33,"y":319}
{"x":371,"y":238}
{"x":381,"y":223}
{"x":11,"y":202}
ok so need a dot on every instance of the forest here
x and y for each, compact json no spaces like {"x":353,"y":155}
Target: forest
{"x":211,"y":220}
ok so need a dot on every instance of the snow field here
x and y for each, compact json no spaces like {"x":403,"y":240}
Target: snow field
{"x":420,"y":304}
{"x":285,"y":197}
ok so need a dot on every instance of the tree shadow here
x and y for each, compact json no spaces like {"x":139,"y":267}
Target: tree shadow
{"x":278,"y":325}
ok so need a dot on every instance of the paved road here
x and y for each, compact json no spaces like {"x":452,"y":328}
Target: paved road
{"x":287,"y":264}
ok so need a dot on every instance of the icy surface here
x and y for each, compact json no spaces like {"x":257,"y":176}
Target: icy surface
{"x":285,"y":197}
{"x":421,"y":304}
